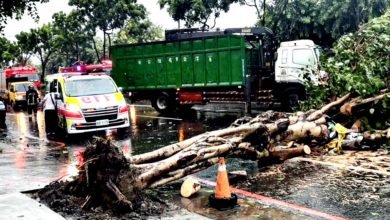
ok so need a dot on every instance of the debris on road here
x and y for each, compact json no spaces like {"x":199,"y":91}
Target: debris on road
{"x":111,"y":180}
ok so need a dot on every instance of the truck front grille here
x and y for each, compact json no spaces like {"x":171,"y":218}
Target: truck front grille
{"x":94,"y":114}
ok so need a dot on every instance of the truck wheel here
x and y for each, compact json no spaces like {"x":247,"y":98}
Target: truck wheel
{"x":291,"y":100}
{"x":164,"y":103}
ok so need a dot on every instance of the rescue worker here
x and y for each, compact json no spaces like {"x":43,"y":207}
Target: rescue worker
{"x":32,"y":99}
{"x":50,"y":112}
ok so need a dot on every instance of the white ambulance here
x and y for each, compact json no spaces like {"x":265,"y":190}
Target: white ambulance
{"x":88,"y":103}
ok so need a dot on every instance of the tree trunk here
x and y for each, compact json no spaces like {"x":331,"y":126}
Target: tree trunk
{"x":109,"y":44}
{"x":271,"y":137}
{"x":104,"y":44}
{"x":96,"y":50}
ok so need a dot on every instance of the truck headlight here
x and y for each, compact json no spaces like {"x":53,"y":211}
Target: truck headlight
{"x":19,"y":97}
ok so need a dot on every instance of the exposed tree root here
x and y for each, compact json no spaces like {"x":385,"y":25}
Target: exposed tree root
{"x":110,"y":178}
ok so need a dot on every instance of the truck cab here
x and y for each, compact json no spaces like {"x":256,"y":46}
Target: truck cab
{"x":294,"y":58}
{"x":17,"y":94}
{"x":297,"y":63}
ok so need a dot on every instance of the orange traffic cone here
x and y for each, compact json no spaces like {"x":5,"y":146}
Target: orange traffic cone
{"x":222,"y":199}
{"x":222,"y":190}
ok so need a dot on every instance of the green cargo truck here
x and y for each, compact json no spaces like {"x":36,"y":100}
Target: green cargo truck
{"x":194,"y":67}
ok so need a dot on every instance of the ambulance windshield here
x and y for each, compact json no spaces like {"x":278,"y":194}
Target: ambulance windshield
{"x":86,"y":87}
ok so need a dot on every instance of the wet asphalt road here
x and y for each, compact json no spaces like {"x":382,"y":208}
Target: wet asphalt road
{"x":30,"y":160}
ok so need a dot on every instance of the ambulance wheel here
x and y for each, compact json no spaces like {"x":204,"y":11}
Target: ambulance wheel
{"x":164,"y":103}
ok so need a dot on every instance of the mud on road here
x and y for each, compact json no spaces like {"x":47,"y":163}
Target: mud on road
{"x":355,"y":185}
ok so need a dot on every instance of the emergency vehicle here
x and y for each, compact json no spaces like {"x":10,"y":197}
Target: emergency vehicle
{"x":17,"y":74}
{"x":93,"y":69}
{"x":88,"y":103}
{"x":17,"y":94}
{"x":28,"y":72}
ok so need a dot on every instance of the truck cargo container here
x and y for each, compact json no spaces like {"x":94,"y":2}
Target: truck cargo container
{"x":196,"y":67}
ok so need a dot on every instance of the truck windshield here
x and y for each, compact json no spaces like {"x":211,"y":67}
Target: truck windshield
{"x":21,"y":87}
{"x":303,"y":57}
{"x":31,"y":77}
{"x":86,"y":87}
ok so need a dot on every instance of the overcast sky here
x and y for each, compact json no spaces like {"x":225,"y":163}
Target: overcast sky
{"x":238,"y":16}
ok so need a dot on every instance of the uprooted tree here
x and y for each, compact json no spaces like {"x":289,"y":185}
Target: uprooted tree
{"x":108,"y":177}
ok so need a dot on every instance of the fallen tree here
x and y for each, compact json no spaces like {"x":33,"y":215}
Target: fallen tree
{"x":108,"y":177}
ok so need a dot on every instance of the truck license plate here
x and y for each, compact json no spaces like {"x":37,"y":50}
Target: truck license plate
{"x":102,"y":122}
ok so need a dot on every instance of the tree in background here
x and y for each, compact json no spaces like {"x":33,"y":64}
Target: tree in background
{"x":138,"y":32}
{"x":196,"y":11}
{"x":8,"y":52}
{"x":73,"y":42}
{"x":107,"y":15}
{"x":16,"y":8}
{"x":24,"y":49}
{"x":41,"y":42}
{"x":323,"y":21}
{"x":259,"y":5}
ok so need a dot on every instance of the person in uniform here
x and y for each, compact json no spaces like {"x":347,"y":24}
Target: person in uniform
{"x":32,"y":99}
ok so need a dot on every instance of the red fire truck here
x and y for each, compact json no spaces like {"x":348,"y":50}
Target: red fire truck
{"x":17,"y":74}
{"x":28,"y":72}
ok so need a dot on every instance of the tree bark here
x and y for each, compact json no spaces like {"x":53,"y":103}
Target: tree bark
{"x":96,"y":50}
{"x":270,"y":137}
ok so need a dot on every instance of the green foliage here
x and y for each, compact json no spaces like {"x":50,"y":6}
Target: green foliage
{"x":73,"y":40}
{"x":361,"y":66}
{"x":196,"y":11}
{"x":107,"y":15}
{"x":16,"y":8}
{"x":138,"y":32}
{"x":322,"y":21}
{"x":8,"y":51}
{"x":41,"y":42}
{"x":362,"y":60}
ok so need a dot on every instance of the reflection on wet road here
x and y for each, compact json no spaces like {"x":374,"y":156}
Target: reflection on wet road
{"x":30,"y":159}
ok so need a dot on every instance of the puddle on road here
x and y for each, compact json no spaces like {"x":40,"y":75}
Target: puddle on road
{"x":247,"y":209}
{"x":354,"y":195}
{"x":31,"y":160}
